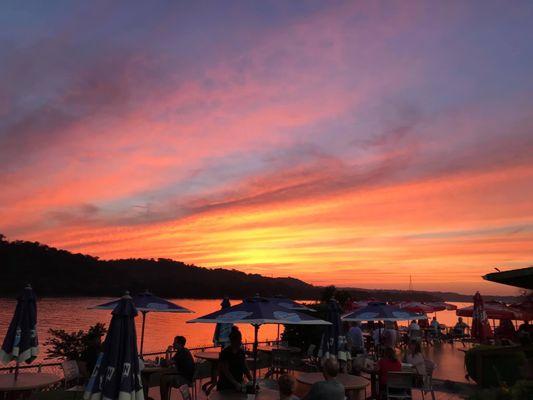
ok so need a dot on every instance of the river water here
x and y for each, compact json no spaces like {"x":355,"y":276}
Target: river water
{"x":73,"y":314}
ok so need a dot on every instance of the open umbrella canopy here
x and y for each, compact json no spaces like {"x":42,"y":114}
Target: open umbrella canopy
{"x":492,"y":310}
{"x":20,"y":343}
{"x":259,"y":311}
{"x":441,"y":306}
{"x":289,"y":304}
{"x":117,"y":374}
{"x":416,"y":307}
{"x":146,"y":302}
{"x":382,"y":312}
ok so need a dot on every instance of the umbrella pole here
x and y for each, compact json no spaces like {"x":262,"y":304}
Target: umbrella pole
{"x":142,"y":333}
{"x":17,"y":370}
{"x":278,"y":335}
{"x":256,"y":330}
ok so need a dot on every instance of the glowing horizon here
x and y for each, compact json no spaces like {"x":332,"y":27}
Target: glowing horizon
{"x":353,"y":144}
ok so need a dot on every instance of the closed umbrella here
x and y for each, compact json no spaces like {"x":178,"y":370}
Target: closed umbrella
{"x":480,"y":323}
{"x":20,"y":343}
{"x":146,"y":302}
{"x":222,"y":331}
{"x":258,"y":311}
{"x":116,"y":375}
{"x":333,"y":341}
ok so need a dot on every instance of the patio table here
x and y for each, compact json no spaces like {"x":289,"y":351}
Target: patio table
{"x":264,"y":394}
{"x":353,"y":384}
{"x":26,"y":382}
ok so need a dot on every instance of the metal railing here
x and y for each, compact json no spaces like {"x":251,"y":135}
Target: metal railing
{"x":55,"y":366}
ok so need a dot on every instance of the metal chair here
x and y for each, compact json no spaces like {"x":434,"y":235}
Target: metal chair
{"x":427,"y":381}
{"x":72,"y":379}
{"x":400,"y":385}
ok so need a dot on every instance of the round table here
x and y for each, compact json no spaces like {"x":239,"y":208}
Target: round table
{"x":27,"y":382}
{"x":351,"y":383}
{"x":271,"y":347}
{"x":208,"y":355}
{"x":264,"y":394}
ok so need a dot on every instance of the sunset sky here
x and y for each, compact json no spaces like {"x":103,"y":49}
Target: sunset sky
{"x":351,"y":143}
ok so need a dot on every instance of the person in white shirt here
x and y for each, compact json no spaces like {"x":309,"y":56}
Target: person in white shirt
{"x":415,"y":358}
{"x":413,"y":331}
{"x":355,"y":338}
{"x":389,"y":336}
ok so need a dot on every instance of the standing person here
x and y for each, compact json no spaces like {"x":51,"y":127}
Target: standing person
{"x":330,"y":388}
{"x":388,"y":363}
{"x":414,"y":332}
{"x":184,"y":364}
{"x":390,"y":335}
{"x":355,"y":339}
{"x":286,"y":385}
{"x":377,"y":333}
{"x":232,"y":364}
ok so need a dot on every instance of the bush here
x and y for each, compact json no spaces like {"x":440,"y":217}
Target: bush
{"x":520,"y":391}
{"x":79,"y":346}
{"x":493,"y":366}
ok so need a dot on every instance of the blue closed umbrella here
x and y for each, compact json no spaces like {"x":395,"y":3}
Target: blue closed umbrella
{"x":333,"y":341}
{"x":146,"y":302}
{"x":222,"y":331}
{"x":20,"y":343}
{"x":376,"y":311}
{"x":116,"y":375}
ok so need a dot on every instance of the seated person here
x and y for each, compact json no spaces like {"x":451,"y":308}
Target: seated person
{"x":414,"y":357}
{"x":435,"y":327}
{"x":423,"y":323}
{"x":184,"y":364}
{"x":505,"y":330}
{"x":460,"y":327}
{"x":330,"y":388}
{"x":286,"y":384}
{"x":232,"y":365}
{"x":388,"y":363}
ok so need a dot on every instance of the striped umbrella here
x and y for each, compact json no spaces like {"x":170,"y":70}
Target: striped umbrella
{"x":20,"y":343}
{"x":117,"y":374}
{"x":146,"y":302}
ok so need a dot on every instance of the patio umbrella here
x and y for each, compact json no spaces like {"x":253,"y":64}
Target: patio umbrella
{"x":258,"y":311}
{"x":222,"y":331}
{"x":416,"y":307}
{"x":117,"y":374}
{"x":524,"y":310}
{"x":146,"y":302}
{"x":382,"y":312}
{"x":492,"y":310}
{"x":480,"y":323}
{"x":21,"y":342}
{"x":333,"y":342}
{"x":288,"y":304}
{"x":441,"y":306}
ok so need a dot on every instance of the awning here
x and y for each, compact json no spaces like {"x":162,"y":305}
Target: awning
{"x":522,"y":278}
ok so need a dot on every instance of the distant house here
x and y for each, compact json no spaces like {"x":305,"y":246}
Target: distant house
{"x":522,"y":278}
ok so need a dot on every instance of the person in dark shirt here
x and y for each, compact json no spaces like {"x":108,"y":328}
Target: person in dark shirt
{"x":232,"y":365}
{"x":184,"y":364}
